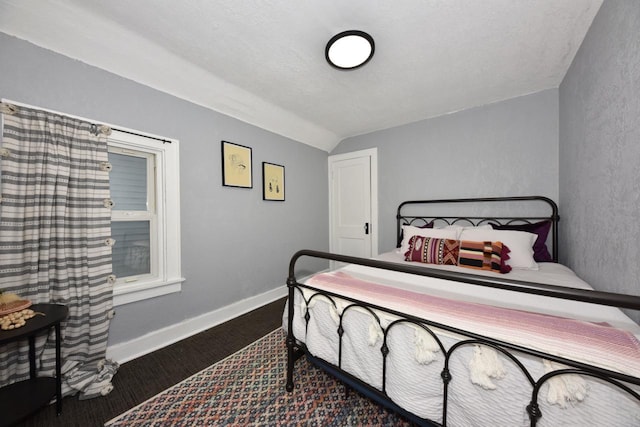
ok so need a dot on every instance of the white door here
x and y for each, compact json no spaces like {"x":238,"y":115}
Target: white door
{"x":352,"y":194}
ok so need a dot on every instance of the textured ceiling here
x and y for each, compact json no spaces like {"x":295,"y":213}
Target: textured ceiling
{"x":263,"y":61}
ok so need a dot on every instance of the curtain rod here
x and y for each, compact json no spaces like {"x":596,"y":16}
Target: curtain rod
{"x":21,"y":104}
{"x":164,"y":141}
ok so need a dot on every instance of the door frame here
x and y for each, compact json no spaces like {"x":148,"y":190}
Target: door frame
{"x":372,"y":154}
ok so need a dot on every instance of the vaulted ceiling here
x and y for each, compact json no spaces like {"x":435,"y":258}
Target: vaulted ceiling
{"x":263,"y":61}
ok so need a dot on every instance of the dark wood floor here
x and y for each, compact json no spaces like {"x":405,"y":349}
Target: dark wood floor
{"x":146,"y":376}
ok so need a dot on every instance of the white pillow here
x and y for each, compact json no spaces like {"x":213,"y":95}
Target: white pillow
{"x":520,"y":244}
{"x":409,"y":231}
{"x":460,"y":228}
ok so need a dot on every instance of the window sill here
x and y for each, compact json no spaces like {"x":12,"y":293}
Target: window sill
{"x":132,"y":292}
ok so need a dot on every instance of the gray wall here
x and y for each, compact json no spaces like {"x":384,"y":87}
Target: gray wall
{"x":509,"y":148}
{"x":234,"y":244}
{"x":600,"y":152}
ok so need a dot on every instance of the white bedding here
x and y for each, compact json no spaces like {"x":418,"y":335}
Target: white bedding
{"x":548,"y":273}
{"x":418,"y":387}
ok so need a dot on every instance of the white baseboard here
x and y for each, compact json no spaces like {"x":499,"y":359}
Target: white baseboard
{"x":123,"y":352}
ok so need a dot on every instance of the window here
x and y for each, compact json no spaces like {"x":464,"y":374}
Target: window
{"x":134,"y":219}
{"x":145,"y":216}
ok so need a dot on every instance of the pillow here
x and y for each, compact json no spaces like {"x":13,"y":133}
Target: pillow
{"x":541,"y":229}
{"x":427,"y":225}
{"x":520,"y":244}
{"x":463,"y":227}
{"x":408,"y":231}
{"x":460,"y":228}
{"x":431,"y":250}
{"x":490,"y":256}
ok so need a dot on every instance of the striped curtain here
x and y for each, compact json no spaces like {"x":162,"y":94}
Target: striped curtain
{"x":55,"y":245}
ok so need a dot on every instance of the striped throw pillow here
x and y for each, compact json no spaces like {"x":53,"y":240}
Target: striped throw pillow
{"x":484,"y":256}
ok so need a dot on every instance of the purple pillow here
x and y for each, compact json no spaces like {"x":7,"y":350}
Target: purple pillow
{"x":540,"y":251}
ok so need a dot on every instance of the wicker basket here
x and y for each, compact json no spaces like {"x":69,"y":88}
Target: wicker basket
{"x":13,"y":306}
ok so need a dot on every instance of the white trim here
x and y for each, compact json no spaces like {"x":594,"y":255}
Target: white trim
{"x":132,"y":292}
{"x":167,"y":277}
{"x":372,"y":153}
{"x":126,"y":351}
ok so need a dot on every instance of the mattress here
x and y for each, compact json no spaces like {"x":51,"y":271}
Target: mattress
{"x":500,"y":395}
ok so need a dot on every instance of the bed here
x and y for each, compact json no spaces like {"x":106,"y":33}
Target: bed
{"x":469,"y":322}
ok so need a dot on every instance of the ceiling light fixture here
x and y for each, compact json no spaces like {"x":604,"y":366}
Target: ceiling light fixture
{"x":349,"y":50}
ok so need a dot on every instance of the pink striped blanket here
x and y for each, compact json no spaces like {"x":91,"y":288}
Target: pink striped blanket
{"x":595,"y":344}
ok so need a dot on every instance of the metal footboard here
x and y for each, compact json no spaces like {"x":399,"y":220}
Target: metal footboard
{"x":617,"y":380}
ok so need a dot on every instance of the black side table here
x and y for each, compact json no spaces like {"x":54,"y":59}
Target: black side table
{"x":18,"y":400}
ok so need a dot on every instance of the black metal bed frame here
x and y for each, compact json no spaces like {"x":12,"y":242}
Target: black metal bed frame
{"x":479,"y":220}
{"x":296,"y":348}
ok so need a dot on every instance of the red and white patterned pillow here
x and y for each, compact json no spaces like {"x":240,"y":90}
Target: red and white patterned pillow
{"x":431,"y":250}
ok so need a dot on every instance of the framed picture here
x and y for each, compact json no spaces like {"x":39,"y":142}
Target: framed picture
{"x":272,"y":182}
{"x":236,"y":165}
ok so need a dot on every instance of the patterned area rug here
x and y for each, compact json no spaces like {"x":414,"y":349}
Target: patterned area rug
{"x":247,"y":388}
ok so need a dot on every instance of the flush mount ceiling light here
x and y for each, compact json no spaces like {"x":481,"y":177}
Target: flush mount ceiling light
{"x":349,"y":49}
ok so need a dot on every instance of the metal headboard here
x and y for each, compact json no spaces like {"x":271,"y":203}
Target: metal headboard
{"x":403,"y":219}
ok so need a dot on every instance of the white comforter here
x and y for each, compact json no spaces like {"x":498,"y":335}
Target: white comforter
{"x":413,"y":380}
